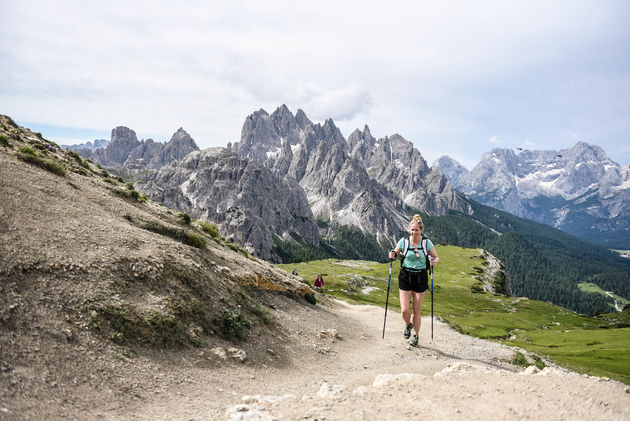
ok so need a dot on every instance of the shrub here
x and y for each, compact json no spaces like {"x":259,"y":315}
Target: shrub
{"x":211,"y":229}
{"x":185,"y":218}
{"x":310,"y":298}
{"x":231,"y":323}
{"x":4,"y":141}
{"x":194,"y":240}
{"x":520,"y":360}
{"x":79,"y":160}
{"x":27,"y":154}
{"x":189,"y":238}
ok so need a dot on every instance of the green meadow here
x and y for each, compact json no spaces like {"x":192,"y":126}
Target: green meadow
{"x":595,"y":289}
{"x":596,"y":346}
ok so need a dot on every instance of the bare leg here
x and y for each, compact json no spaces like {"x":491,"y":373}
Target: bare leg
{"x":404,"y":306}
{"x":417,"y":303}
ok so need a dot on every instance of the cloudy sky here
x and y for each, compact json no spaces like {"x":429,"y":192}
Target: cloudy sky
{"x":456,"y":78}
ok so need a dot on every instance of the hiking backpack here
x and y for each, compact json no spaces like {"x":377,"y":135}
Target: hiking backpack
{"x":423,"y":244}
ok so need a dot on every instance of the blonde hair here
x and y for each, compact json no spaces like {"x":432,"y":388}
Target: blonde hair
{"x":416,"y":220}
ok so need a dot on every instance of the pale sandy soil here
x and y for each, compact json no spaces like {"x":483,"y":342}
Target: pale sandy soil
{"x":363,"y":377}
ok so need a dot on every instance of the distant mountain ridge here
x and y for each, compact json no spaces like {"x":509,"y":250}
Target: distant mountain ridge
{"x":86,"y":149}
{"x":578,"y":190}
{"x":125,"y":150}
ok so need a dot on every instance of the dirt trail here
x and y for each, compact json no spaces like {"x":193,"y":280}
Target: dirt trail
{"x":453,"y":376}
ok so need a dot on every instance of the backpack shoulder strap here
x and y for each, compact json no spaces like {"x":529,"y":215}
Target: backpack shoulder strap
{"x":426,"y":252}
{"x":405,"y":249}
{"x":424,"y":245}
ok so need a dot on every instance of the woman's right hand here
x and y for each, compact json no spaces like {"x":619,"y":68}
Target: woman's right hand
{"x":392,"y":255}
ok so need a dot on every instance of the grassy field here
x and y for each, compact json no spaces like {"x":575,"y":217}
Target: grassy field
{"x":594,"y":289}
{"x":584,"y":344}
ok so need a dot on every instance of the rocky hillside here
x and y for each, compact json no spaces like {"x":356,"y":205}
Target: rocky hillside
{"x":95,"y":276}
{"x":244,"y":198}
{"x":578,"y":190}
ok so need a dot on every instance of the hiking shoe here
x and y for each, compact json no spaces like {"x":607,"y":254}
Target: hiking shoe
{"x":407,"y":332}
{"x":414,"y":341}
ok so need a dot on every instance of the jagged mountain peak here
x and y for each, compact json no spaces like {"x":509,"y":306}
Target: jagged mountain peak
{"x":302,"y":120}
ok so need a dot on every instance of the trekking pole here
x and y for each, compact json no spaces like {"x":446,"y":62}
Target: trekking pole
{"x":431,"y":302}
{"x":389,"y":280}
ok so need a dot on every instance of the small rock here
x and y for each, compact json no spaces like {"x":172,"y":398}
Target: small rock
{"x":247,"y":412}
{"x":336,"y":392}
{"x":532,"y":369}
{"x":219,"y":352}
{"x":238,"y":354}
{"x":385,"y":379}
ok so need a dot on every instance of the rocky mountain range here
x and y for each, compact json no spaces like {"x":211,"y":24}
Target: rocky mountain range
{"x":362,"y":181}
{"x":86,"y":149}
{"x":578,"y":190}
{"x":244,"y":198}
{"x":125,"y":150}
{"x":286,"y":172}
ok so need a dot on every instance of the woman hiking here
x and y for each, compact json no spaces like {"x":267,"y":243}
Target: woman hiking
{"x":413,"y":279}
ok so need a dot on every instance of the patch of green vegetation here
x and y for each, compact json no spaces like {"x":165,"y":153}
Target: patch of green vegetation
{"x":593,"y":288}
{"x":616,"y":319}
{"x":78,"y":159}
{"x":254,"y":307}
{"x":232,"y":324}
{"x":322,"y":223}
{"x":129,"y":193}
{"x":187,"y":237}
{"x":550,"y":331}
{"x":194,"y":240}
{"x":185,"y":218}
{"x":125,"y":325}
{"x":520,"y":360}
{"x":4,"y":141}
{"x":211,"y":229}
{"x":27,"y":154}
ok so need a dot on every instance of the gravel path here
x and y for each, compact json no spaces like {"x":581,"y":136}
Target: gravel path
{"x":362,"y":377}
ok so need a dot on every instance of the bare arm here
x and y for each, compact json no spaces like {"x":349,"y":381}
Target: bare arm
{"x":393,"y":254}
{"x":435,"y":256}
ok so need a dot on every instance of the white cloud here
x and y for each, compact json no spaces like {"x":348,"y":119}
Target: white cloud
{"x":442,"y":74}
{"x":339,"y":104}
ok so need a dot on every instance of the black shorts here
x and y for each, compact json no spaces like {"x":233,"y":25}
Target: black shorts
{"x":413,"y":281}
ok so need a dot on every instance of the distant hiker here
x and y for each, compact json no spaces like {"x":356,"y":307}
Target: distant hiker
{"x":295,"y":272}
{"x":413,"y":279}
{"x":319,"y":281}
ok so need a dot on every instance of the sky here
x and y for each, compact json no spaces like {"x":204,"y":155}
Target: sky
{"x":456,"y":78}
